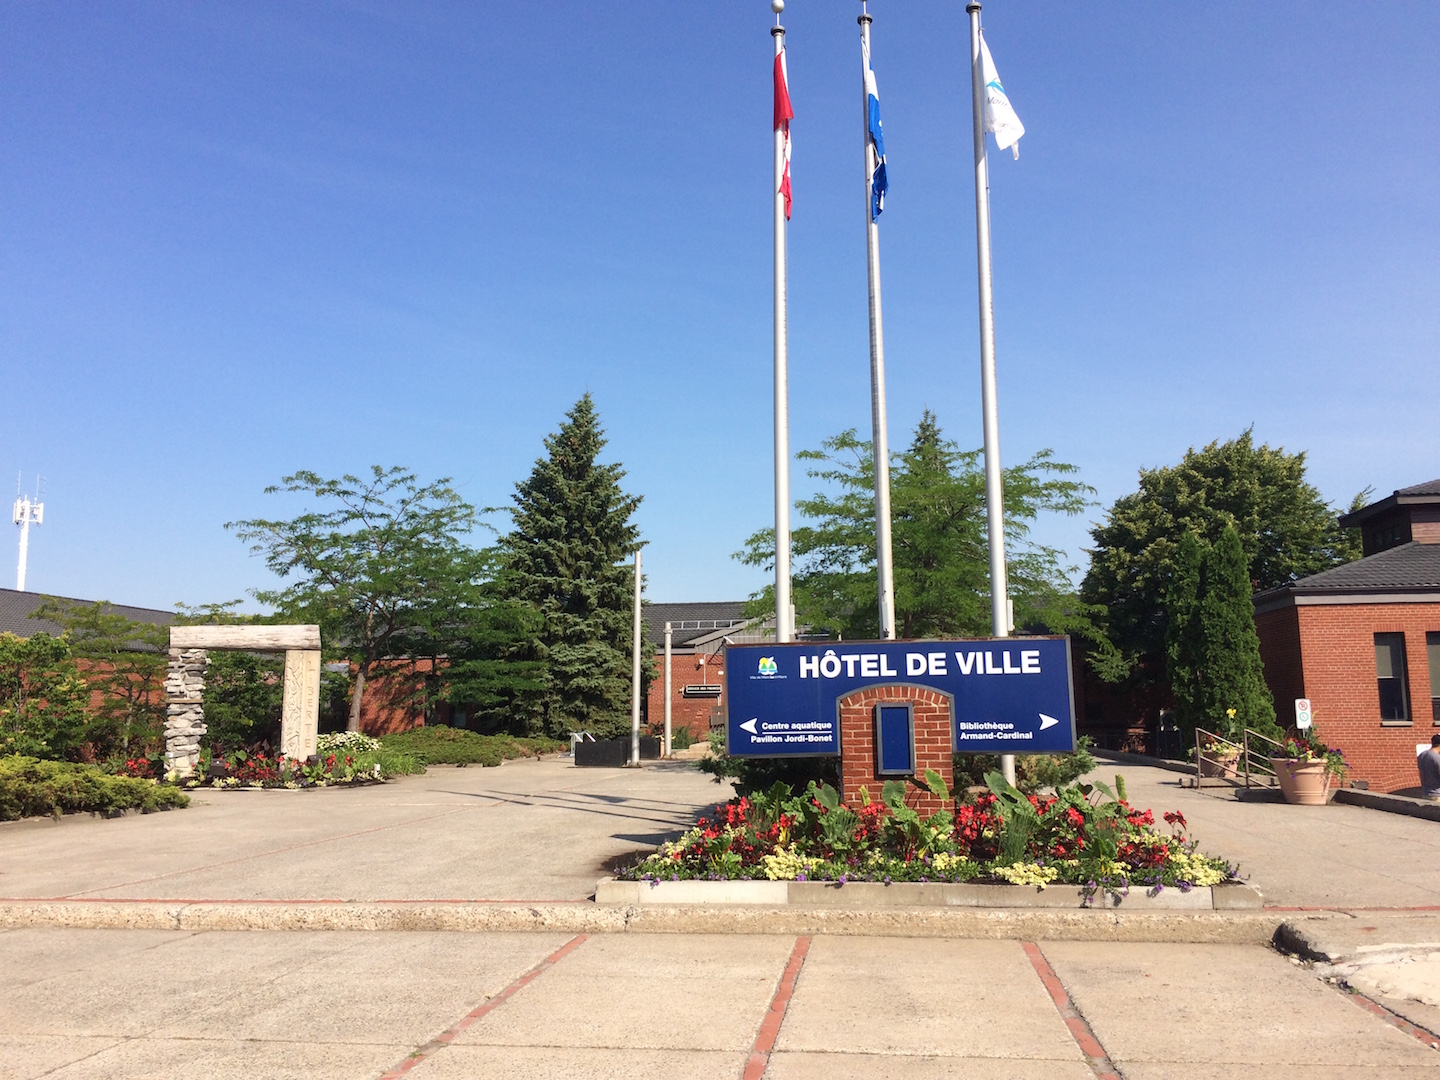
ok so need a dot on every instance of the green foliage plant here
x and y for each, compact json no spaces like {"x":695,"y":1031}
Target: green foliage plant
{"x":941,"y":560}
{"x":382,"y":565}
{"x":31,"y":787}
{"x":123,"y":663}
{"x":1033,"y":772}
{"x":441,"y":745}
{"x":43,"y":699}
{"x":1286,"y":531}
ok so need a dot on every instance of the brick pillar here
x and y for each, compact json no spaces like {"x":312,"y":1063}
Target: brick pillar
{"x":932,"y":712}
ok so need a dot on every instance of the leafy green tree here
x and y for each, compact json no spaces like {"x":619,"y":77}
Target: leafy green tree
{"x":564,"y":559}
{"x":124,"y":663}
{"x":43,"y":700}
{"x":379,"y":566}
{"x":1285,"y":527}
{"x":942,"y":568}
{"x":243,"y":694}
{"x":1231,"y":675}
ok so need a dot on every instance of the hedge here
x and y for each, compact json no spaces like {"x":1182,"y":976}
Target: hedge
{"x":30,"y":787}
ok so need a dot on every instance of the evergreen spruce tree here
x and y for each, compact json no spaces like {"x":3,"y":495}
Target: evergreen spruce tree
{"x":1232,"y":675}
{"x":565,"y":559}
{"x":1184,"y":633}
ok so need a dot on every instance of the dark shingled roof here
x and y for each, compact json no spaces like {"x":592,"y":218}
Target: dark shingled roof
{"x":1430,"y":487}
{"x":690,"y":621}
{"x":15,"y":609}
{"x":1424,"y":494}
{"x":1411,"y":567}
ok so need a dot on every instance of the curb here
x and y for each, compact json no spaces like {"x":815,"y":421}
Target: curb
{"x":872,"y":895}
{"x":1199,"y":927}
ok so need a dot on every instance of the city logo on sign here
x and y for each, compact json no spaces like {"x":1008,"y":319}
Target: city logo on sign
{"x":768,"y":666}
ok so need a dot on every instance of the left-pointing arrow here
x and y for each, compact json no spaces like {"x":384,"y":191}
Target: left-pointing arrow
{"x":749,"y":725}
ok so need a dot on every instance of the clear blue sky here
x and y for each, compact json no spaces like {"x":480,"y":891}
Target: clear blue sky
{"x":237,"y":240}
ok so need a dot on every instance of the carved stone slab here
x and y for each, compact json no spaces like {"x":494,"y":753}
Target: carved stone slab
{"x":300,"y":708}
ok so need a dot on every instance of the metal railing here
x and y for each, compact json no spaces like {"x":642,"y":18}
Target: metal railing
{"x":1226,"y":762}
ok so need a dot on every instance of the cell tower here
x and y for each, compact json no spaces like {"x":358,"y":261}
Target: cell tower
{"x":27,"y":512}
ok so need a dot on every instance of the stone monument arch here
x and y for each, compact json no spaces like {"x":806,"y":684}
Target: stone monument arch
{"x":185,"y":685}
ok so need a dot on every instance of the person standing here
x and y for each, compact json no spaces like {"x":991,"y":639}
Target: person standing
{"x":1429,"y":764}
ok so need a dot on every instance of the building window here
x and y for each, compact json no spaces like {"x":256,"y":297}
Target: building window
{"x":1432,"y":650}
{"x":1390,"y":674}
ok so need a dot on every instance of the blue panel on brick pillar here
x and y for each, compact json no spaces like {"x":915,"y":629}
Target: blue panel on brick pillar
{"x":894,"y":740}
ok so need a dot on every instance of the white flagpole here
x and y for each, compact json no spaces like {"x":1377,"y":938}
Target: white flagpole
{"x":635,"y":672}
{"x":994,"y":497}
{"x":880,"y":439}
{"x":784,"y":629}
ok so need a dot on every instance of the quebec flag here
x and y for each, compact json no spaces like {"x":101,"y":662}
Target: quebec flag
{"x":875,"y":135}
{"x":999,"y":113}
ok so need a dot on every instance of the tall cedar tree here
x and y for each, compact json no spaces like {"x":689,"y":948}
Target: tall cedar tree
{"x":1212,"y":650}
{"x":1184,"y":636}
{"x":1285,"y":527}
{"x":1231,"y":674}
{"x":942,"y":569}
{"x":565,"y":559}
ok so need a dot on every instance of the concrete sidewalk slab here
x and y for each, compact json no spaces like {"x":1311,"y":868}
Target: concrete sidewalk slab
{"x":1183,"y":1011}
{"x":902,"y":997}
{"x":645,"y":992}
{"x":1340,"y":941}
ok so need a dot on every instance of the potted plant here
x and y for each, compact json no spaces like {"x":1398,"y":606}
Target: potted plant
{"x":1307,"y":770}
{"x":1219,"y":757}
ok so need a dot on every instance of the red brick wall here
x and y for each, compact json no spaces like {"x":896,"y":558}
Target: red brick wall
{"x":932,"y":743}
{"x":392,"y":696}
{"x":692,"y":714}
{"x":1338,"y":648}
{"x":1279,"y":633}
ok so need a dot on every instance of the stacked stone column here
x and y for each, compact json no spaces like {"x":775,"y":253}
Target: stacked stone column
{"x":185,"y":713}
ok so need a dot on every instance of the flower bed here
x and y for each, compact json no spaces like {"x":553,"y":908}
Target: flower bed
{"x":260,"y":770}
{"x":1086,"y":835}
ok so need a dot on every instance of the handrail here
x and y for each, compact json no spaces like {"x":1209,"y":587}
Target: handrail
{"x":1260,"y":766}
{"x":1222,"y":764}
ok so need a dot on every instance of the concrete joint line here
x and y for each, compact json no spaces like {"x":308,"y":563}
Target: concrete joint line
{"x":1374,"y":1008}
{"x":450,"y":1034}
{"x":1096,"y":1055}
{"x":759,"y":1059}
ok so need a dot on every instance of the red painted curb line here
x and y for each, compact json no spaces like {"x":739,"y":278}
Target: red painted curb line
{"x":1095,"y":1054}
{"x":1374,"y":1008}
{"x":450,"y":1034}
{"x":759,"y":1059}
{"x":312,"y":901}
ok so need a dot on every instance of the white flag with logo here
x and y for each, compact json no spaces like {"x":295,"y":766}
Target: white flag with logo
{"x":999,"y":113}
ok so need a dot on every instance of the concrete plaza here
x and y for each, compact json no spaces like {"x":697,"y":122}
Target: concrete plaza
{"x":545,"y":831}
{"x":79,"y":1002}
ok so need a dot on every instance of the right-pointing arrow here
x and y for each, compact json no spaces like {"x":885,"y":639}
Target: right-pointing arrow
{"x":1047,"y":721}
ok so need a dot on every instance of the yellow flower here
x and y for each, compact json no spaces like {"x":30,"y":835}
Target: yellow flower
{"x":1230,"y":713}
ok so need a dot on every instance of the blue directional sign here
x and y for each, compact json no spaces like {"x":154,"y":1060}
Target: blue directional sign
{"x":1011,"y":695}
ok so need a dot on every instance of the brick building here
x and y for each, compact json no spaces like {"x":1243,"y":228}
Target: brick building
{"x":698,"y":633}
{"x":1362,"y":641}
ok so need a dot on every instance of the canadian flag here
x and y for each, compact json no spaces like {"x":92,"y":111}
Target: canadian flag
{"x":783,"y":115}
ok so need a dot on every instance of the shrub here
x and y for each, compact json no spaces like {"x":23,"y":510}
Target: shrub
{"x":761,"y":774}
{"x":42,"y":698}
{"x":681,"y":739}
{"x":442,"y":745}
{"x":1033,"y":772}
{"x":349,"y":742}
{"x":30,"y":787}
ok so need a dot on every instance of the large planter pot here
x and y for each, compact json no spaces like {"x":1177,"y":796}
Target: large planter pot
{"x":1224,"y":768}
{"x":1305,"y":783}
